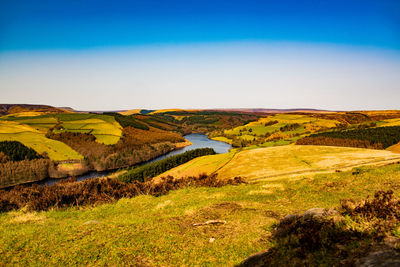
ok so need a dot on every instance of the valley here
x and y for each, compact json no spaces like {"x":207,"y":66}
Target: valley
{"x":200,"y":133}
{"x":158,"y":181}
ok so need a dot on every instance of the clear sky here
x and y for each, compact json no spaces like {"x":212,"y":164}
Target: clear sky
{"x":105,"y":55}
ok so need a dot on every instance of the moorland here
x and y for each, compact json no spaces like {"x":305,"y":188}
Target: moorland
{"x":198,"y":208}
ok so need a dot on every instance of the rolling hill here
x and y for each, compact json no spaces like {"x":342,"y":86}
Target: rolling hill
{"x":6,"y":109}
{"x":270,"y":162}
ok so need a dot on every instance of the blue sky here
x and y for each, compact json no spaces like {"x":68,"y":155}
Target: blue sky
{"x":145,"y":51}
{"x":82,"y":24}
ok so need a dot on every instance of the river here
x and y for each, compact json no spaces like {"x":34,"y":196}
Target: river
{"x":197,"y":140}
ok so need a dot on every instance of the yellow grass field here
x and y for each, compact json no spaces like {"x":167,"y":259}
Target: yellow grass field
{"x":33,"y":138}
{"x":28,"y":114}
{"x":206,"y":164}
{"x":279,"y":161}
{"x":391,"y":122}
{"x":395,"y":148}
{"x":130,"y":112}
{"x":169,"y":110}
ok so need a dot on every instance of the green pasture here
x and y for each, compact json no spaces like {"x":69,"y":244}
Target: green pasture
{"x":35,"y":139}
{"x":103,"y":127}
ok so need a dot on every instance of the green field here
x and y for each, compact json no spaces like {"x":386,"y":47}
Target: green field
{"x":307,"y":123}
{"x":31,"y":131}
{"x":159,"y":231}
{"x":56,"y":150}
{"x":271,"y":135}
{"x":261,"y":134}
{"x":103,"y":127}
{"x":106,"y":132}
{"x":282,"y":160}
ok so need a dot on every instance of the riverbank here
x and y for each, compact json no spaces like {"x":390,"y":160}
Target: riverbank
{"x":193,"y":141}
{"x":222,"y":139}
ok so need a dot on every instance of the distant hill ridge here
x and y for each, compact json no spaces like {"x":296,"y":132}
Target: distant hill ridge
{"x":6,"y":109}
{"x":266,"y":110}
{"x":245,"y":110}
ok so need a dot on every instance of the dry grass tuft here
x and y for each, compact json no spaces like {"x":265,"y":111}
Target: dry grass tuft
{"x":29,"y":217}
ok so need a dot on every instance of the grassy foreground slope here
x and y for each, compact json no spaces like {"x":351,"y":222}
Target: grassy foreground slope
{"x":159,"y":231}
{"x":282,"y":160}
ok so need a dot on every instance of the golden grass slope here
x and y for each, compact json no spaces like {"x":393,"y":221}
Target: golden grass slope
{"x":206,"y":164}
{"x":279,"y":161}
{"x":130,"y":112}
{"x":172,"y":110}
{"x":391,"y":122}
{"x":395,"y":148}
{"x":33,"y":138}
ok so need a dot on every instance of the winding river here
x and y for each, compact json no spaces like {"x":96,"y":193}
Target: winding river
{"x":197,"y":140}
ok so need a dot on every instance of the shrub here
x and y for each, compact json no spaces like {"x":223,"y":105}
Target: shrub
{"x":101,"y":190}
{"x":381,"y":137}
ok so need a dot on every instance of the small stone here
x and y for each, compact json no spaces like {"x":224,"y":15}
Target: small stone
{"x":289,"y":218}
{"x":382,"y":258}
{"x":315,"y":212}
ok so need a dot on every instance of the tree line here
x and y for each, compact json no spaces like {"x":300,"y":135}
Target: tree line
{"x":378,"y":138}
{"x":199,"y":119}
{"x":289,"y":127}
{"x":269,"y":123}
{"x":16,"y":151}
{"x":17,"y":172}
{"x":126,"y":121}
{"x":331,"y":141}
{"x":151,"y":170}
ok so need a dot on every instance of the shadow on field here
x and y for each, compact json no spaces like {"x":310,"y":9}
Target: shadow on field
{"x":359,"y":233}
